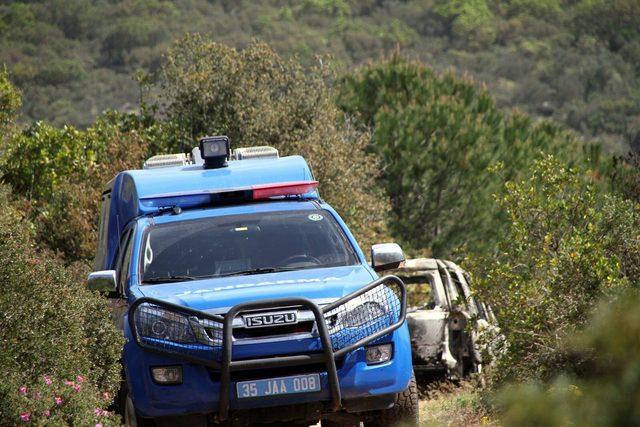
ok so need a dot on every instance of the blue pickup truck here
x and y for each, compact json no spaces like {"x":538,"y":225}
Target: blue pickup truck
{"x":244,"y":299}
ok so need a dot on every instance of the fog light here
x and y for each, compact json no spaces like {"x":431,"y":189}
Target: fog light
{"x":378,"y":353}
{"x":167,"y":375}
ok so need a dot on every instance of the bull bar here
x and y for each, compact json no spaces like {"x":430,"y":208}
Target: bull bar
{"x":335,"y":342}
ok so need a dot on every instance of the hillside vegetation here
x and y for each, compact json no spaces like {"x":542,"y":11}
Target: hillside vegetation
{"x":548,"y":224}
{"x":575,"y":61}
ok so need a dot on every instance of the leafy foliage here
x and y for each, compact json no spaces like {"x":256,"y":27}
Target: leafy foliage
{"x":63,"y":175}
{"x":438,"y":137}
{"x":566,"y":247}
{"x":606,"y":391}
{"x":51,"y":326}
{"x":52,"y":401}
{"x":257,"y":98}
{"x":9,"y":102}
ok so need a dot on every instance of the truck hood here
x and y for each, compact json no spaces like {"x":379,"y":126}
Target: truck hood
{"x":218,"y":295}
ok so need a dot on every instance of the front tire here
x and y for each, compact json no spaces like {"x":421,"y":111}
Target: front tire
{"x":131,"y":417}
{"x":405,"y":410}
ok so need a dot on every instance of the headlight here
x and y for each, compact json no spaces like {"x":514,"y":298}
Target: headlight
{"x":154,"y":322}
{"x":355,"y":314}
{"x":361,"y":314}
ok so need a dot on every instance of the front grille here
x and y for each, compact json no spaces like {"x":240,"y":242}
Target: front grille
{"x":273,"y":331}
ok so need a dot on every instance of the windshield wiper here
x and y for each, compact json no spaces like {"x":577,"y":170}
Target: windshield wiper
{"x":169,"y":279}
{"x":249,"y":272}
{"x":256,"y":271}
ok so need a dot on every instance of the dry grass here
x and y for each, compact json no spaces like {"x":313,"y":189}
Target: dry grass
{"x":451,"y":405}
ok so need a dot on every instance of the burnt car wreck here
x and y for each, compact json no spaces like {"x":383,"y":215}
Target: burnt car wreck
{"x":447,"y":323}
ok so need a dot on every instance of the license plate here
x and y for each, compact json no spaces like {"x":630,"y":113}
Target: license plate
{"x":278,"y":386}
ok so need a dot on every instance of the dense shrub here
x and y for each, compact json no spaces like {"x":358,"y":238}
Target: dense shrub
{"x":258,"y":98}
{"x":63,"y":175}
{"x":42,"y":154}
{"x":606,"y":391}
{"x":50,"y":325}
{"x":566,"y":246}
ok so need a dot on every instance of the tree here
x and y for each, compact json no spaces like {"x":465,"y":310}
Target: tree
{"x":257,"y":98}
{"x":438,"y":136}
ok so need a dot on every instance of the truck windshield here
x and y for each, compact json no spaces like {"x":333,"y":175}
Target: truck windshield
{"x":243,"y":244}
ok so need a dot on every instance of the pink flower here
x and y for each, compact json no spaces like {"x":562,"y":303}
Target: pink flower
{"x":80,"y":379}
{"x":104,"y":413}
{"x":106,"y":395}
{"x":98,"y":425}
{"x":25,"y":416}
{"x":58,"y":400}
{"x":76,"y":388}
{"x":47,"y":380}
{"x":46,"y":413}
{"x":69,"y":383}
{"x":23,"y":390}
{"x":97,"y":411}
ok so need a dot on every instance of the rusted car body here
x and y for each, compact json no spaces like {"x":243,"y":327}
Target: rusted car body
{"x":447,"y":323}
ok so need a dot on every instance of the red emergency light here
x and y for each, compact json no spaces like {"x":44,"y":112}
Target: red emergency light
{"x":295,"y":188}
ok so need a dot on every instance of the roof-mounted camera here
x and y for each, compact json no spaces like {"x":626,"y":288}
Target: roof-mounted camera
{"x":215,"y":151}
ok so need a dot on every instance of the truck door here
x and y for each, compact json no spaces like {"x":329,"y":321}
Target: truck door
{"x":118,"y":301}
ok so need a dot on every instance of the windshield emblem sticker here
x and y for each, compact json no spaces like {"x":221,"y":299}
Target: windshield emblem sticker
{"x":316,"y":217}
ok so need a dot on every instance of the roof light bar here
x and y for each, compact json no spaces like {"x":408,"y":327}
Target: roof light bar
{"x":260,"y":152}
{"x":165,"y":161}
{"x":265,"y":191}
{"x":227,"y":195}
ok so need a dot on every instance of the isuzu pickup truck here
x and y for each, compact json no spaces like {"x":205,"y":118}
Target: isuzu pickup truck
{"x":245,"y":299}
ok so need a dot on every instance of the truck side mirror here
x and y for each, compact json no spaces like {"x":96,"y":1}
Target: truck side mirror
{"x":103,"y":281}
{"x":386,"y":256}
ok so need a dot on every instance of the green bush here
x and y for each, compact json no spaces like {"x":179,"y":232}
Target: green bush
{"x":42,"y":154}
{"x":605,"y":393}
{"x":566,"y":246}
{"x":63,"y":175}
{"x":51,"y":325}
